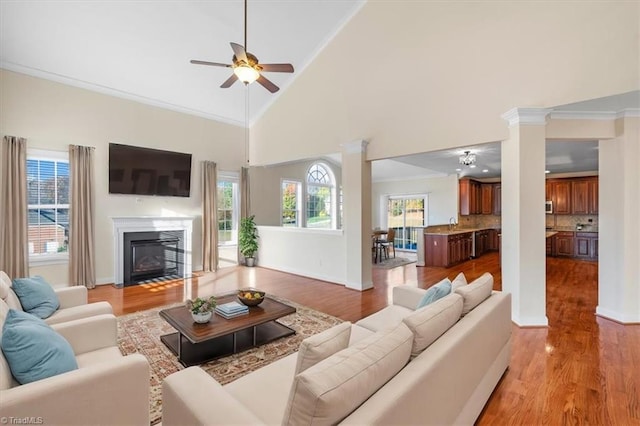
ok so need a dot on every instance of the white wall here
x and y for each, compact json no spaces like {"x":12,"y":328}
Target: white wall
{"x":314,"y":253}
{"x":619,"y":228}
{"x":51,"y":116}
{"x":266,"y":186}
{"x":440,"y":74}
{"x":442,"y":192}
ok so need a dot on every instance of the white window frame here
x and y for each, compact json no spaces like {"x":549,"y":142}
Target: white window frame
{"x":298,"y":211}
{"x":424,"y":197}
{"x":332,"y":192}
{"x":234,"y":179}
{"x":47,"y":155}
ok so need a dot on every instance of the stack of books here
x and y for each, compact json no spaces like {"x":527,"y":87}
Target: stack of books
{"x":231,"y":310}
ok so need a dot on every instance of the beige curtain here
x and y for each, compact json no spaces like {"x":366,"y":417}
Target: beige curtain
{"x":81,"y":217}
{"x":245,"y":203}
{"x":14,"y":239}
{"x":209,"y":216}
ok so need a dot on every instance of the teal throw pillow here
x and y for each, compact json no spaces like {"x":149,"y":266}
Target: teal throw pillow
{"x":33,"y":350}
{"x":435,"y":292}
{"x":36,"y":296}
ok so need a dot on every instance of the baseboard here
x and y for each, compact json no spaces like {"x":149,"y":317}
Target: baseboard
{"x":304,"y":273}
{"x":617,"y":316}
{"x":530,"y":322}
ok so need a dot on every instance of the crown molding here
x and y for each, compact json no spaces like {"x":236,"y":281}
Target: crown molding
{"x":595,"y":115}
{"x":526,"y":116}
{"x":105,"y":90}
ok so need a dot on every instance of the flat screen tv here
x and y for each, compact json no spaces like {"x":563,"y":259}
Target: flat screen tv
{"x":146,"y":171}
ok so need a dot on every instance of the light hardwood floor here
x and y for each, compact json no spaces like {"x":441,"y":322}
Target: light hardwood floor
{"x":582,"y":369}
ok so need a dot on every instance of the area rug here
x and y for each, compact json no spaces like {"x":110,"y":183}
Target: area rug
{"x":393,"y":262}
{"x":140,"y":333}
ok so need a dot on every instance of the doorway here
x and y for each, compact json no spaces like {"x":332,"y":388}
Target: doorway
{"x":406,"y":214}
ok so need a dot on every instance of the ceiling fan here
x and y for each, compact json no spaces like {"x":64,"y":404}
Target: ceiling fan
{"x":246,"y":66}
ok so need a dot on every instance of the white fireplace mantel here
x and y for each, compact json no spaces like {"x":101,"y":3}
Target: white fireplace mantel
{"x":122,"y":225}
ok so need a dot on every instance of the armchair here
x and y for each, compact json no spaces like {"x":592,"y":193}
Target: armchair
{"x":107,"y":387}
{"x":73,"y":302}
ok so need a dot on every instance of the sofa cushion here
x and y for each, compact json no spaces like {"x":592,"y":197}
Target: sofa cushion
{"x":36,"y":296}
{"x":390,"y":316}
{"x":322,"y":345}
{"x":330,"y":390}
{"x":7,"y":294}
{"x":435,"y":292}
{"x":459,"y":281}
{"x":6,"y":379}
{"x":33,"y":350}
{"x":475,"y":292}
{"x":430,"y":322}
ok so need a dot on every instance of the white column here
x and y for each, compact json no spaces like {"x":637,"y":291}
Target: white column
{"x":523,"y":216}
{"x":356,"y":212}
{"x":618,"y":224}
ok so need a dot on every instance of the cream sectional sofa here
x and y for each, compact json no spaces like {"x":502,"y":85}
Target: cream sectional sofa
{"x":73,"y":302}
{"x":436,"y":365}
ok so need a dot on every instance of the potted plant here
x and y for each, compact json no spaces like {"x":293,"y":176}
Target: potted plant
{"x":248,"y":239}
{"x":201,"y":309}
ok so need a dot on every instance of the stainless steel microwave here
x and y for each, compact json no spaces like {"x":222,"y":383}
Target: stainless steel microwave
{"x":548,"y":207}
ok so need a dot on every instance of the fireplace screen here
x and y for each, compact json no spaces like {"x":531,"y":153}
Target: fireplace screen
{"x":152,"y":256}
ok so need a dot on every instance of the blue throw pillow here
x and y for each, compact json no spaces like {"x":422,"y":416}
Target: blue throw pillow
{"x":36,"y":296}
{"x":435,"y":292}
{"x":33,"y":350}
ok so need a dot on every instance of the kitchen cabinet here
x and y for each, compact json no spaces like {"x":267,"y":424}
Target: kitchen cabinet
{"x":551,"y":245}
{"x":579,"y":197}
{"x":487,"y":198}
{"x":482,"y":242}
{"x":470,"y":197}
{"x":585,"y":196}
{"x":573,"y":196}
{"x":446,"y":250}
{"x":493,"y":240}
{"x":586,"y":245}
{"x":564,"y":243}
{"x":592,"y":203}
{"x":497,"y":199}
{"x":561,"y":197}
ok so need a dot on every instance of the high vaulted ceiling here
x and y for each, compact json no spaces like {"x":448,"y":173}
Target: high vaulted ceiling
{"x":140,"y":50}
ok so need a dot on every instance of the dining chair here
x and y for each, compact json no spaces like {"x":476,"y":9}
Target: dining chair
{"x":387,"y":244}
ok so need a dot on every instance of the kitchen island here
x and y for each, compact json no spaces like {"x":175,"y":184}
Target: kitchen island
{"x":447,"y":247}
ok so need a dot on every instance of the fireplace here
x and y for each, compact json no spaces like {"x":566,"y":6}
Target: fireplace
{"x":151,"y":248}
{"x":150,"y":256}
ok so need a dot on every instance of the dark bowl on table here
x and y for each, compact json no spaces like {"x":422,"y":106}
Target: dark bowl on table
{"x":256,"y":298}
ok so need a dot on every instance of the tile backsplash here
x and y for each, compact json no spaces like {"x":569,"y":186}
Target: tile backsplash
{"x":556,"y":221}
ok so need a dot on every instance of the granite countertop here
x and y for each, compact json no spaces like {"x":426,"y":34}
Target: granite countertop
{"x":456,"y":231}
{"x":550,"y":234}
{"x":585,"y":228}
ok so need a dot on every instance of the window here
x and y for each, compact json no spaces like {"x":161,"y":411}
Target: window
{"x":407,"y":216}
{"x":320,"y":197}
{"x":48,"y":203}
{"x":228,"y":210}
{"x":291,"y":203}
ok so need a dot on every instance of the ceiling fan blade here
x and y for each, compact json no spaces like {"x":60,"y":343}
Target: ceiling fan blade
{"x":267,"y":84}
{"x":277,"y":67}
{"x":215,"y":64}
{"x":238,"y":50}
{"x":228,"y":82}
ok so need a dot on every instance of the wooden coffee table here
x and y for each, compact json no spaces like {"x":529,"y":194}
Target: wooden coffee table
{"x":195,"y":343}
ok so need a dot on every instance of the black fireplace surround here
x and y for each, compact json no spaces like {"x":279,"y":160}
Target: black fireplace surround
{"x":152,"y":256}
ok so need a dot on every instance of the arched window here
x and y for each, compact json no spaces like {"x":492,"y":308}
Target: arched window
{"x":321,"y":196}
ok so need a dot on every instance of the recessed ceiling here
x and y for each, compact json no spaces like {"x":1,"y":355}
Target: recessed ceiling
{"x":561,"y":156}
{"x":140,"y":50}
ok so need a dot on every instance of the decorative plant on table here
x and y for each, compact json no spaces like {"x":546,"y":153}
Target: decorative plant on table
{"x":201,"y":309}
{"x":248,"y":239}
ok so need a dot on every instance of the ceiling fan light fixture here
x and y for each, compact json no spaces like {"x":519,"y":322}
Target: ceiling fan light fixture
{"x":246,"y":74}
